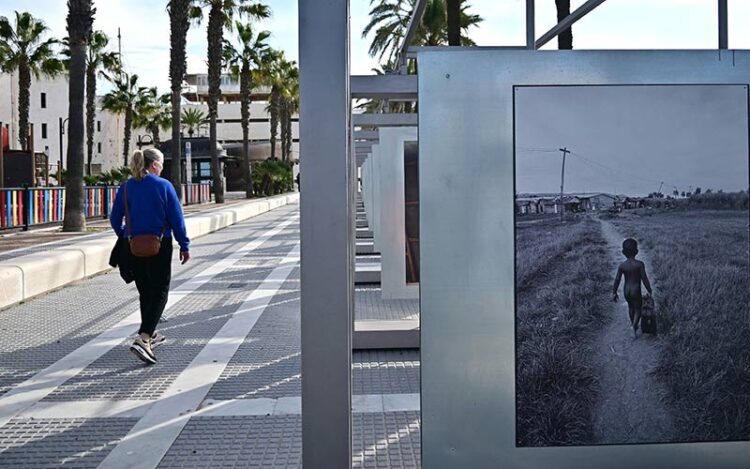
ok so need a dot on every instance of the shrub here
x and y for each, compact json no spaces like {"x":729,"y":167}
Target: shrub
{"x":271,"y":177}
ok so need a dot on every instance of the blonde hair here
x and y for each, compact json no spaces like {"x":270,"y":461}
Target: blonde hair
{"x":142,"y":160}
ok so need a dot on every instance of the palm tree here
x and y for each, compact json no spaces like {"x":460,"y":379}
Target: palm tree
{"x":180,"y":14}
{"x":243,"y":61}
{"x":80,"y":19}
{"x":193,"y":118}
{"x":390,"y":18}
{"x":97,"y":59}
{"x":125,"y":98}
{"x":565,"y":38}
{"x":23,"y":48}
{"x":274,"y":74}
{"x":453,"y":12}
{"x":153,"y":114}
{"x":220,"y":17}
{"x":289,"y":105}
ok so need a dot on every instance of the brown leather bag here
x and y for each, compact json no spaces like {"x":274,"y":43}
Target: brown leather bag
{"x":147,"y":245}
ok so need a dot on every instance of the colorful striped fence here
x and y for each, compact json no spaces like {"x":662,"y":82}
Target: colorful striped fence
{"x":197,"y":193}
{"x":11,"y":208}
{"x":22,"y":208}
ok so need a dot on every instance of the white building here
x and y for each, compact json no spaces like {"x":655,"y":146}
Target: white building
{"x":228,"y":122}
{"x":48,"y":105}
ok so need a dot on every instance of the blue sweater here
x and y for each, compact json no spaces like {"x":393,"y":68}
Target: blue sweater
{"x":151,"y":201}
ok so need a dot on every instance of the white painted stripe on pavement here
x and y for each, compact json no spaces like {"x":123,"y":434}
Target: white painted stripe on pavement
{"x":290,"y":405}
{"x":149,"y":440}
{"x":26,"y":394}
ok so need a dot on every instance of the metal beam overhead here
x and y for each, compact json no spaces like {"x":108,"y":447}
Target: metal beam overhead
{"x":385,"y":120}
{"x":366,"y":135}
{"x":723,"y":25}
{"x":327,"y":233}
{"x":411,"y":30}
{"x":582,"y":11}
{"x":392,"y":87}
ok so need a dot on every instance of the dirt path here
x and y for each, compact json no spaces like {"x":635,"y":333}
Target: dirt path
{"x":632,"y":407}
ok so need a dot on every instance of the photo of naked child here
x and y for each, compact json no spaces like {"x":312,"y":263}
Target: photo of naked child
{"x":632,"y":264}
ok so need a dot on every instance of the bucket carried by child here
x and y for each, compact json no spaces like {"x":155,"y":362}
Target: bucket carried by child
{"x":648,"y":316}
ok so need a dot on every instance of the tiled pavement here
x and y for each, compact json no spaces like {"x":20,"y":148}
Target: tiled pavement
{"x":251,"y":416}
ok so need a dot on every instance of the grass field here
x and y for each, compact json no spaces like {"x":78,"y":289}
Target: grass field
{"x":701,"y":275}
{"x":561,"y":271}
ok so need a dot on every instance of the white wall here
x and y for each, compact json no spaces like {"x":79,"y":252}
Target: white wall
{"x":56,"y":89}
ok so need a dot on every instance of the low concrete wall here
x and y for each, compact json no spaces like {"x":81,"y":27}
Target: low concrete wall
{"x":27,"y":276}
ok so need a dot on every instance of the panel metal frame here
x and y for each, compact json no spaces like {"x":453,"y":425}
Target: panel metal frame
{"x":392,"y":227}
{"x":467,"y":249}
{"x":327,"y":234}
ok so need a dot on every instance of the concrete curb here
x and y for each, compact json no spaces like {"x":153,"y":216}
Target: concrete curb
{"x":27,"y":276}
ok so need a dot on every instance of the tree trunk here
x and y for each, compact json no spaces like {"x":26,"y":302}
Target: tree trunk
{"x":215,"y":39}
{"x":274,"y":118}
{"x":24,"y":85}
{"x":155,"y":134}
{"x":453,"y":10}
{"x":179,"y":22}
{"x":80,"y":18}
{"x":565,"y":38}
{"x":289,"y":136}
{"x":245,"y":89}
{"x":282,"y":128}
{"x":90,"y":114}
{"x":126,"y":139}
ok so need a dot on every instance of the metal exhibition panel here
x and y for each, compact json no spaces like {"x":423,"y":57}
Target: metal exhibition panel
{"x":466,"y":126}
{"x":392,"y":230}
{"x":376,"y":224}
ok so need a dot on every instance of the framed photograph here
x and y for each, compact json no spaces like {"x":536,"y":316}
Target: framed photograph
{"x":585,"y":258}
{"x":631,"y":240}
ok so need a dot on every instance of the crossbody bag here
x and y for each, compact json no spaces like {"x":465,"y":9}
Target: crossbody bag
{"x":146,"y":245}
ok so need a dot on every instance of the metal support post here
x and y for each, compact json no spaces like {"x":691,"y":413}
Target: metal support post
{"x":327,"y":231}
{"x":723,"y":25}
{"x":530,"y":25}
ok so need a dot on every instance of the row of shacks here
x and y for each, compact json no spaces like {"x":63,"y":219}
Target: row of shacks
{"x":574,"y":203}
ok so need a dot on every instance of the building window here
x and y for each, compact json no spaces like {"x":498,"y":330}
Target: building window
{"x":98,"y":126}
{"x":44,"y":100}
{"x":44,"y":130}
{"x":99,"y":147}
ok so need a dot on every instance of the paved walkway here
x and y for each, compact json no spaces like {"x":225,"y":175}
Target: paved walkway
{"x":226,"y":390}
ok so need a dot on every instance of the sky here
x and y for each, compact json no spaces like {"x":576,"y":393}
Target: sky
{"x":680,"y":136}
{"x":617,"y":24}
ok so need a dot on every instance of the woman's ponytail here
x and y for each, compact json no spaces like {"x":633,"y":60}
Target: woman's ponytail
{"x":138,"y":165}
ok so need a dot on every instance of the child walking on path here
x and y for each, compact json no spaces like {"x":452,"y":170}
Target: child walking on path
{"x":635,"y":274}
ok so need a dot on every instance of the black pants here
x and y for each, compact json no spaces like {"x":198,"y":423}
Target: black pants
{"x":152,"y":277}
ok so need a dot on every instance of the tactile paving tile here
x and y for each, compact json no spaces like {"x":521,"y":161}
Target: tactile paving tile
{"x":193,"y":322}
{"x":389,"y":440}
{"x":385,"y":372}
{"x":48,"y":443}
{"x":41,"y":331}
{"x":267,"y":364}
{"x":369,"y":304}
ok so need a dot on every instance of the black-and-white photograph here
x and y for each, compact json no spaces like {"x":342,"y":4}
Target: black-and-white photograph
{"x":632,"y":264}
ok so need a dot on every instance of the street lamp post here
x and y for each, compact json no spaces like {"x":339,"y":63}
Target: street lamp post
{"x":60,"y":166}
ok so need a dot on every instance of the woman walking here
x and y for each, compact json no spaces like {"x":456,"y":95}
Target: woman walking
{"x":147,"y":213}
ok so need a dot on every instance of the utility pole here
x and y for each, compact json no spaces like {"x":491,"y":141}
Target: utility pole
{"x":565,"y":152}
{"x":660,"y":186}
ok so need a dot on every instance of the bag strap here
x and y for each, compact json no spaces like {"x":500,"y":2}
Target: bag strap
{"x":127,"y":211}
